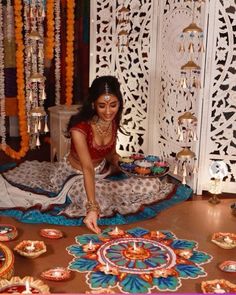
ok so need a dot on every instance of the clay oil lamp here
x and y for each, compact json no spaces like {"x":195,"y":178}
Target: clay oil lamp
{"x":108,"y":270}
{"x":116,"y":232}
{"x":8,"y":232}
{"x":26,"y":285}
{"x":90,"y":247}
{"x":218,"y":287}
{"x":51,"y":233}
{"x":56,"y":274}
{"x":31,"y":249}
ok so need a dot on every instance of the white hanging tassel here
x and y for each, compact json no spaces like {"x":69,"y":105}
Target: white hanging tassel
{"x":37,"y":141}
{"x":36,"y":128}
{"x":178,"y":130}
{"x":46,"y":129}
{"x":184,"y":180}
{"x":181,"y":47}
{"x":28,"y":129}
{"x":31,"y":95}
{"x":195,"y":167}
{"x":184,"y":170}
{"x":191,"y":48}
{"x":175,"y":172}
{"x":181,"y":136}
{"x":39,"y":125}
{"x":43,"y":94}
{"x":41,"y":53}
{"x":184,"y":83}
{"x":195,"y":135}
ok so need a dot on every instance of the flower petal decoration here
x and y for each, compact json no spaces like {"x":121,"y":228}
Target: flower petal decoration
{"x":170,"y":283}
{"x":101,"y":280}
{"x":137,"y":260}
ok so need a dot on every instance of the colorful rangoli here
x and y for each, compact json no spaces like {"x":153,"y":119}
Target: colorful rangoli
{"x":137,"y":260}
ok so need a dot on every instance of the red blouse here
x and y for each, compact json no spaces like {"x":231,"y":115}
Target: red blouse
{"x":97,"y":152}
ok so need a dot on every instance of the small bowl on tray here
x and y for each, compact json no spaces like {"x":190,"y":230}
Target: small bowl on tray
{"x":56,"y":274}
{"x":224,"y":240}
{"x":137,"y":156}
{"x":218,"y":287}
{"x":30,"y":249}
{"x":152,"y":158}
{"x":142,"y":170}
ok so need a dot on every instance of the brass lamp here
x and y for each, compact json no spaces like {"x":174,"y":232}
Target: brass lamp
{"x":215,"y":190}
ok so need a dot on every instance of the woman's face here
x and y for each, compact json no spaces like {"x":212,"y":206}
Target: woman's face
{"x":107,"y":106}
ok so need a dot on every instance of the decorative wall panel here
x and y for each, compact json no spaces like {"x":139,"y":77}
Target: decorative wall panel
{"x":219,"y":124}
{"x":123,"y":49}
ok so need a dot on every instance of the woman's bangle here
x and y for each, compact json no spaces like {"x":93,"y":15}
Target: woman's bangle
{"x":92,"y":206}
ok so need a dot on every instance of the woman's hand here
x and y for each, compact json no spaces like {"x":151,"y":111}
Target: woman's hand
{"x":91,"y":221}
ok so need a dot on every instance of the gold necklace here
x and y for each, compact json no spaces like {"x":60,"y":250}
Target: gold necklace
{"x":103,"y":131}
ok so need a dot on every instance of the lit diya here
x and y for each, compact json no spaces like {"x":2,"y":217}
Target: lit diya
{"x":184,"y":253}
{"x":224,"y":240}
{"x":26,"y":285}
{"x":56,"y":274}
{"x":116,"y":232}
{"x":218,"y":287}
{"x":90,"y":247}
{"x":107,"y":269}
{"x":31,"y":249}
{"x":157,"y":234}
{"x":8,"y":232}
{"x":51,"y":233}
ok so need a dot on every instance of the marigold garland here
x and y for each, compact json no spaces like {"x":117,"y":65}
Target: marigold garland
{"x":50,"y":44}
{"x":24,"y":145}
{"x":69,"y":51}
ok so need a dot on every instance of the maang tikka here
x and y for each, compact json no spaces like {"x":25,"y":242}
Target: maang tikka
{"x":107,"y":96}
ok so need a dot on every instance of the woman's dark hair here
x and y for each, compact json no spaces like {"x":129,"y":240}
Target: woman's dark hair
{"x":101,"y":85}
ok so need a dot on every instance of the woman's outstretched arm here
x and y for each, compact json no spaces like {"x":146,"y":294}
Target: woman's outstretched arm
{"x":87,"y":167}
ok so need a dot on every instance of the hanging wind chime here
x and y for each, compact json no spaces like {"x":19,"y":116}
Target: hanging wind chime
{"x":191,"y":42}
{"x":34,"y":15}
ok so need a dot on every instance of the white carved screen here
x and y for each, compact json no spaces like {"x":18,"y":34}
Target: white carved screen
{"x":149,"y":72}
{"x":130,"y":64}
{"x":219,"y":117}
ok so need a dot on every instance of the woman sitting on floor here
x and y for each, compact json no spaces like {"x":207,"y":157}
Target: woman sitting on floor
{"x":81,"y":176}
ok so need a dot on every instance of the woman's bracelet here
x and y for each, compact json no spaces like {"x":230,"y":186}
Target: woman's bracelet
{"x":92,"y":206}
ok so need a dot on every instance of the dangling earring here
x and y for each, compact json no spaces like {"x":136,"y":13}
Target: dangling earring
{"x":93,"y":106}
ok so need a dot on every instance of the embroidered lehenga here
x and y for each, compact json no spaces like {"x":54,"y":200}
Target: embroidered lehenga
{"x":45,"y":184}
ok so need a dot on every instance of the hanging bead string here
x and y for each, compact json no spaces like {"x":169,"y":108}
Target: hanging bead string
{"x":57,"y":52}
{"x":2,"y":83}
{"x":69,"y":51}
{"x":24,"y":144}
{"x":49,"y":48}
